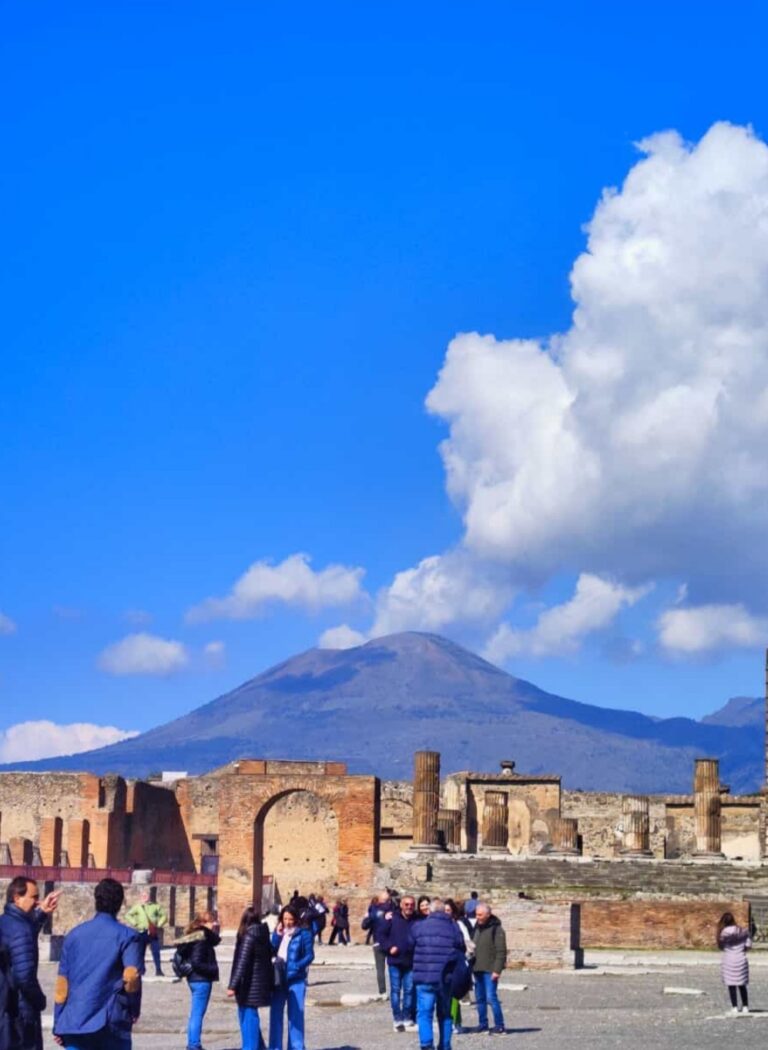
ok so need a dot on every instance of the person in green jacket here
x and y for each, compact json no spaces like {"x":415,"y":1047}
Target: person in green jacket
{"x":490,"y":959}
{"x":148,"y":918}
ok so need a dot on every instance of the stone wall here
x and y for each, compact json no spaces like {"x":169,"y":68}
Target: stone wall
{"x":540,"y":935}
{"x":532,"y":803}
{"x":655,"y":925}
{"x":599,"y":814}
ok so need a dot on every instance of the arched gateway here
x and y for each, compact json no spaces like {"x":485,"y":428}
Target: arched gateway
{"x":311,"y":823}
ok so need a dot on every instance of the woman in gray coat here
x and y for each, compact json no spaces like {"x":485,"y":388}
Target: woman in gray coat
{"x":734,"y":942}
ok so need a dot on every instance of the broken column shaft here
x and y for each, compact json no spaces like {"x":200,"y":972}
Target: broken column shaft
{"x":706,"y":802}
{"x":495,"y":821}
{"x":426,"y":799}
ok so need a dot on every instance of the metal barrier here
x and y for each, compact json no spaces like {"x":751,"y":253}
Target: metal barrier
{"x":49,"y":873}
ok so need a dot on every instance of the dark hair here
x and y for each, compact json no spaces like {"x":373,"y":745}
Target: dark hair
{"x":421,"y":900}
{"x":726,"y":919}
{"x":18,"y":888}
{"x":109,"y":896}
{"x":473,"y":895}
{"x":288,"y":910}
{"x":449,"y":902}
{"x":249,"y":918}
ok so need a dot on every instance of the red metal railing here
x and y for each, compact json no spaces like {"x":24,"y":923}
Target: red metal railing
{"x":47,"y":873}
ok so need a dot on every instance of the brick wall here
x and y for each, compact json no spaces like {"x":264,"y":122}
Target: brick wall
{"x":655,"y":924}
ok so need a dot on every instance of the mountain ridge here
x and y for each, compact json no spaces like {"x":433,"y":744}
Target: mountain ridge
{"x":374,"y":705}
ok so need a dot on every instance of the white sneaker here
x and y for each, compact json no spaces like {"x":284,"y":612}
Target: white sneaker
{"x":411,"y":1026}
{"x":734,"y":1010}
{"x":398,"y":1026}
{"x":745,"y":1009}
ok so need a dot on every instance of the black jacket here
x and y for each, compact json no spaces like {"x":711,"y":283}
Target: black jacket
{"x":252,"y":972}
{"x":19,"y":931}
{"x":396,"y":933}
{"x":199,"y":947}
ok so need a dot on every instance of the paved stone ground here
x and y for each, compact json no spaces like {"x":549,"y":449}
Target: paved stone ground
{"x":618,"y":1001}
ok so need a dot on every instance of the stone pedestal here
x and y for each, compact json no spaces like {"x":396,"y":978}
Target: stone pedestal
{"x":637,"y":826}
{"x":449,"y":828}
{"x":706,"y":802}
{"x":564,"y":837}
{"x":495,"y":822}
{"x":426,"y":800}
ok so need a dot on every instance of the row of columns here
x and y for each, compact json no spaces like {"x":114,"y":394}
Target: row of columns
{"x":434,"y":827}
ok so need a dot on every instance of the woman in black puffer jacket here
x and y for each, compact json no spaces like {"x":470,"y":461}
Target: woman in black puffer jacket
{"x":198,"y":948}
{"x":252,"y":976}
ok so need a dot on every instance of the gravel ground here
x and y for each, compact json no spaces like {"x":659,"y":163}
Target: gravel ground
{"x":617,"y":1002}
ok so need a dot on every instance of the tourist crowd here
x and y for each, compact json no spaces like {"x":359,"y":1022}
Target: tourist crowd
{"x":431,"y":953}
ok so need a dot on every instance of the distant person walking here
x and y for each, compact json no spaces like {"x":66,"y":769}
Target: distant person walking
{"x":340,"y":922}
{"x":294,"y":948}
{"x":98,"y":989}
{"x":734,"y":942}
{"x":397,"y":945}
{"x":470,"y":907}
{"x":437,"y":943}
{"x":322,"y":917}
{"x":490,"y":959}
{"x":380,"y":911}
{"x":251,"y":981}
{"x":197,"y":949}
{"x":148,"y":918}
{"x":20,"y":927}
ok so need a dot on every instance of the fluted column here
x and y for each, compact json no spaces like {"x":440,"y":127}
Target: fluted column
{"x":495,"y":822}
{"x":637,"y":826}
{"x":564,"y":836}
{"x":449,"y":827}
{"x":426,"y":799}
{"x":706,"y":801}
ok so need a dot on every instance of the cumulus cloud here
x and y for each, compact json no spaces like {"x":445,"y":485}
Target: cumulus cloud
{"x":144,"y":654}
{"x":703,"y":628}
{"x":214,"y":654}
{"x":634,"y":443}
{"x":292,"y":582}
{"x":43,"y":739}
{"x":7,"y":626}
{"x":593,"y":607}
{"x":441,"y":590}
{"x":341,"y":637}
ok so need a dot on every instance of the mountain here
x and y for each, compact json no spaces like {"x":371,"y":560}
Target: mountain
{"x":374,"y":705}
{"x":739,"y":711}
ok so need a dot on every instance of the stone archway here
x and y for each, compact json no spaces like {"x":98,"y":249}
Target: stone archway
{"x":296,"y":843}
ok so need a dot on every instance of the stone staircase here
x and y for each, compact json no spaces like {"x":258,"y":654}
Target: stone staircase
{"x":549,"y":877}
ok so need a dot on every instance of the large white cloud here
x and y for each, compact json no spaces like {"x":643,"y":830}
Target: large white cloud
{"x":7,"y":626}
{"x":43,"y":739}
{"x":686,"y":632}
{"x":441,"y":590}
{"x":632,"y":446}
{"x":595,"y":604}
{"x":292,"y":582}
{"x":144,"y":654}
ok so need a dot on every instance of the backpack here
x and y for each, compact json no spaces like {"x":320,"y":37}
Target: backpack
{"x":180,"y":964}
{"x":458,"y":977}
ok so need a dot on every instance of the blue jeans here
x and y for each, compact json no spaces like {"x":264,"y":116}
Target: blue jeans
{"x":106,"y":1039}
{"x":486,"y":991}
{"x":154,"y":947}
{"x":201,"y":994}
{"x":250,"y":1032}
{"x":292,"y":997}
{"x":401,"y":992}
{"x":429,"y":997}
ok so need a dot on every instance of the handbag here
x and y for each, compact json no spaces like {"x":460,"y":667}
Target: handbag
{"x":278,"y":967}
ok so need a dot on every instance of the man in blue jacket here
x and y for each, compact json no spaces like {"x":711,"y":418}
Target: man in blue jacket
{"x":396,"y":944}
{"x":98,"y":989}
{"x":437,"y":944}
{"x":20,"y":927}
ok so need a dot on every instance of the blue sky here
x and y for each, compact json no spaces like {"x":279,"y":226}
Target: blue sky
{"x":238,"y":244}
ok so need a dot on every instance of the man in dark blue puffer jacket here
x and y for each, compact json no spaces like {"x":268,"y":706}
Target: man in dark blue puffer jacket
{"x":20,"y":926}
{"x":437,"y":944}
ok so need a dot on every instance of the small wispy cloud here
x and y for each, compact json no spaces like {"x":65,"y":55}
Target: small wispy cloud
{"x":7,"y":626}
